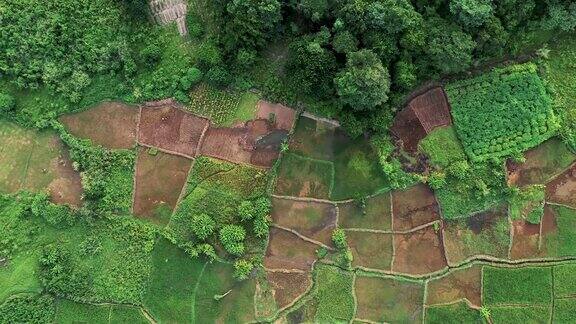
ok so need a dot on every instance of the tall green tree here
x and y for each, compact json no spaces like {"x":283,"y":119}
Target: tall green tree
{"x":250,"y":23}
{"x":471,"y":13}
{"x":448,"y":47}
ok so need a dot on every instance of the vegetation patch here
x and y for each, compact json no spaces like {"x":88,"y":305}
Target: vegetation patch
{"x":419,"y":252}
{"x":564,"y":284}
{"x":494,"y":119}
{"x":303,"y":177}
{"x":110,"y":124}
{"x":485,"y":233}
{"x":370,"y":250}
{"x":37,"y":161}
{"x":311,"y":219}
{"x":564,"y":310}
{"x":541,"y":163}
{"x":314,"y":139}
{"x":224,"y":108}
{"x":559,"y":231}
{"x":68,"y":311}
{"x":443,"y":147}
{"x":413,"y":207}
{"x":527,"y":314}
{"x":28,"y":308}
{"x":334,"y":294}
{"x":516,"y":286}
{"x":171,"y":288}
{"x":459,"y":284}
{"x":389,"y":300}
{"x":368,"y":213}
{"x":159,"y":181}
{"x":288,"y":286}
{"x":454,"y":313}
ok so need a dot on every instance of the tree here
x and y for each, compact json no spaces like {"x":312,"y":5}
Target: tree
{"x":246,"y":210}
{"x":364,"y":83}
{"x":314,"y":9}
{"x":7,"y":103}
{"x":203,"y":226}
{"x":449,"y":48}
{"x":471,"y":13}
{"x":232,"y":237}
{"x":339,"y":239}
{"x":242,"y":269}
{"x":345,"y":42}
{"x":251,"y":22}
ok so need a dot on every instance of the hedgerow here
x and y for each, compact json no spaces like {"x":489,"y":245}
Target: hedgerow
{"x":502,"y":113}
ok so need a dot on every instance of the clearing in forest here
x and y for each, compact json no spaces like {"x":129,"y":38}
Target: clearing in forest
{"x":413,"y":207}
{"x":370,"y":250}
{"x":159,"y":181}
{"x":168,"y":127}
{"x":502,"y":112}
{"x":484,"y":233}
{"x":313,"y":220}
{"x":459,"y":284}
{"x":422,"y":115}
{"x":389,"y":300}
{"x":110,"y":124}
{"x":37,"y":161}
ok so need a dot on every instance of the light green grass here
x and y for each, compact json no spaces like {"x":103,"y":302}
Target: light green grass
{"x":520,"y":286}
{"x":563,"y":242}
{"x":443,"y":147}
{"x":564,"y":280}
{"x":127,"y":314}
{"x":453,"y":314}
{"x":68,"y":312}
{"x":334,"y":295}
{"x":21,"y":275}
{"x":170,"y":292}
{"x":520,"y":315}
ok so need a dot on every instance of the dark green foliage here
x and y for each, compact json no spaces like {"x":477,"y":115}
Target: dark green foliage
{"x":232,"y":237}
{"x":7,"y":103}
{"x":453,"y":314}
{"x":502,"y":112}
{"x":390,"y":165}
{"x":505,"y":286}
{"x":27,"y":309}
{"x":448,"y":47}
{"x":251,"y":23}
{"x":471,"y":13}
{"x":364,"y":83}
{"x":564,"y":310}
{"x":203,"y":226}
{"x":527,"y":202}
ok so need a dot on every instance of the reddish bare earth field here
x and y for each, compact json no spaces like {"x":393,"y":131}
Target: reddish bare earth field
{"x":288,"y":287}
{"x":283,"y":116}
{"x":172,"y":129}
{"x":562,"y":189}
{"x":110,"y":124}
{"x":256,"y":142}
{"x":413,"y":207}
{"x":525,"y":240}
{"x":159,"y":181}
{"x":419,"y":252}
{"x":465,"y":283}
{"x":311,"y":219}
{"x":287,"y":251}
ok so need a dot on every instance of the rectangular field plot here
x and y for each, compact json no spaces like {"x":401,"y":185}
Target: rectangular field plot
{"x":562,"y":189}
{"x":314,"y":220}
{"x":371,"y":250}
{"x":516,"y":286}
{"x":159,"y":181}
{"x":525,"y":240}
{"x":564,"y":310}
{"x":501,"y":112}
{"x":288,"y":287}
{"x":389,"y":300}
{"x":334,"y":295}
{"x":558,"y":232}
{"x":419,"y":252}
{"x":459,"y":284}
{"x":564,"y":283}
{"x":542,"y":163}
{"x":485,"y":233}
{"x":110,"y":124}
{"x":455,"y":313}
{"x":303,"y":177}
{"x":520,"y":315}
{"x":288,"y":251}
{"x":314,"y":139}
{"x":413,"y":207}
{"x":375,"y":213}
{"x":37,"y":161}
{"x":170,"y":128}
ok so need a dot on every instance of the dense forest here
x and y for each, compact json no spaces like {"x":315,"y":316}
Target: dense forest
{"x":354,"y":60}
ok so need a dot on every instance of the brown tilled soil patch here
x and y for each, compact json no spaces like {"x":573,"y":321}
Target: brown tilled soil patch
{"x":371,"y":250}
{"x":159,"y":181}
{"x":389,"y":300}
{"x":413,"y":207}
{"x":66,"y":187}
{"x":542,"y":163}
{"x":283,"y":116}
{"x":256,"y":142}
{"x":562,"y":189}
{"x":110,"y":124}
{"x":419,"y":252}
{"x":170,"y":128}
{"x":525,"y":240}
{"x":288,"y":286}
{"x":311,"y":219}
{"x":288,"y":251}
{"x":485,"y":233}
{"x":466,"y":283}
{"x":375,"y":215}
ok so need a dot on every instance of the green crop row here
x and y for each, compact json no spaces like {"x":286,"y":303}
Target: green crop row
{"x":502,"y":113}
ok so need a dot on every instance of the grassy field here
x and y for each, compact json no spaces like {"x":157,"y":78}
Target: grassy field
{"x":564,"y":283}
{"x":443,"y":147}
{"x":519,"y":315}
{"x":564,"y":311}
{"x":563,"y":241}
{"x":300,"y":176}
{"x":454,"y":313}
{"x":334,"y":295}
{"x":518,"y":286}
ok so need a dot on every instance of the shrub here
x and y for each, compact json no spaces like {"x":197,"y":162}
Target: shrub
{"x":232,"y":237}
{"x":7,"y":103}
{"x":246,"y":210}
{"x":203,"y":226}
{"x":339,"y":239}
{"x":25,"y":308}
{"x":242,"y":269}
